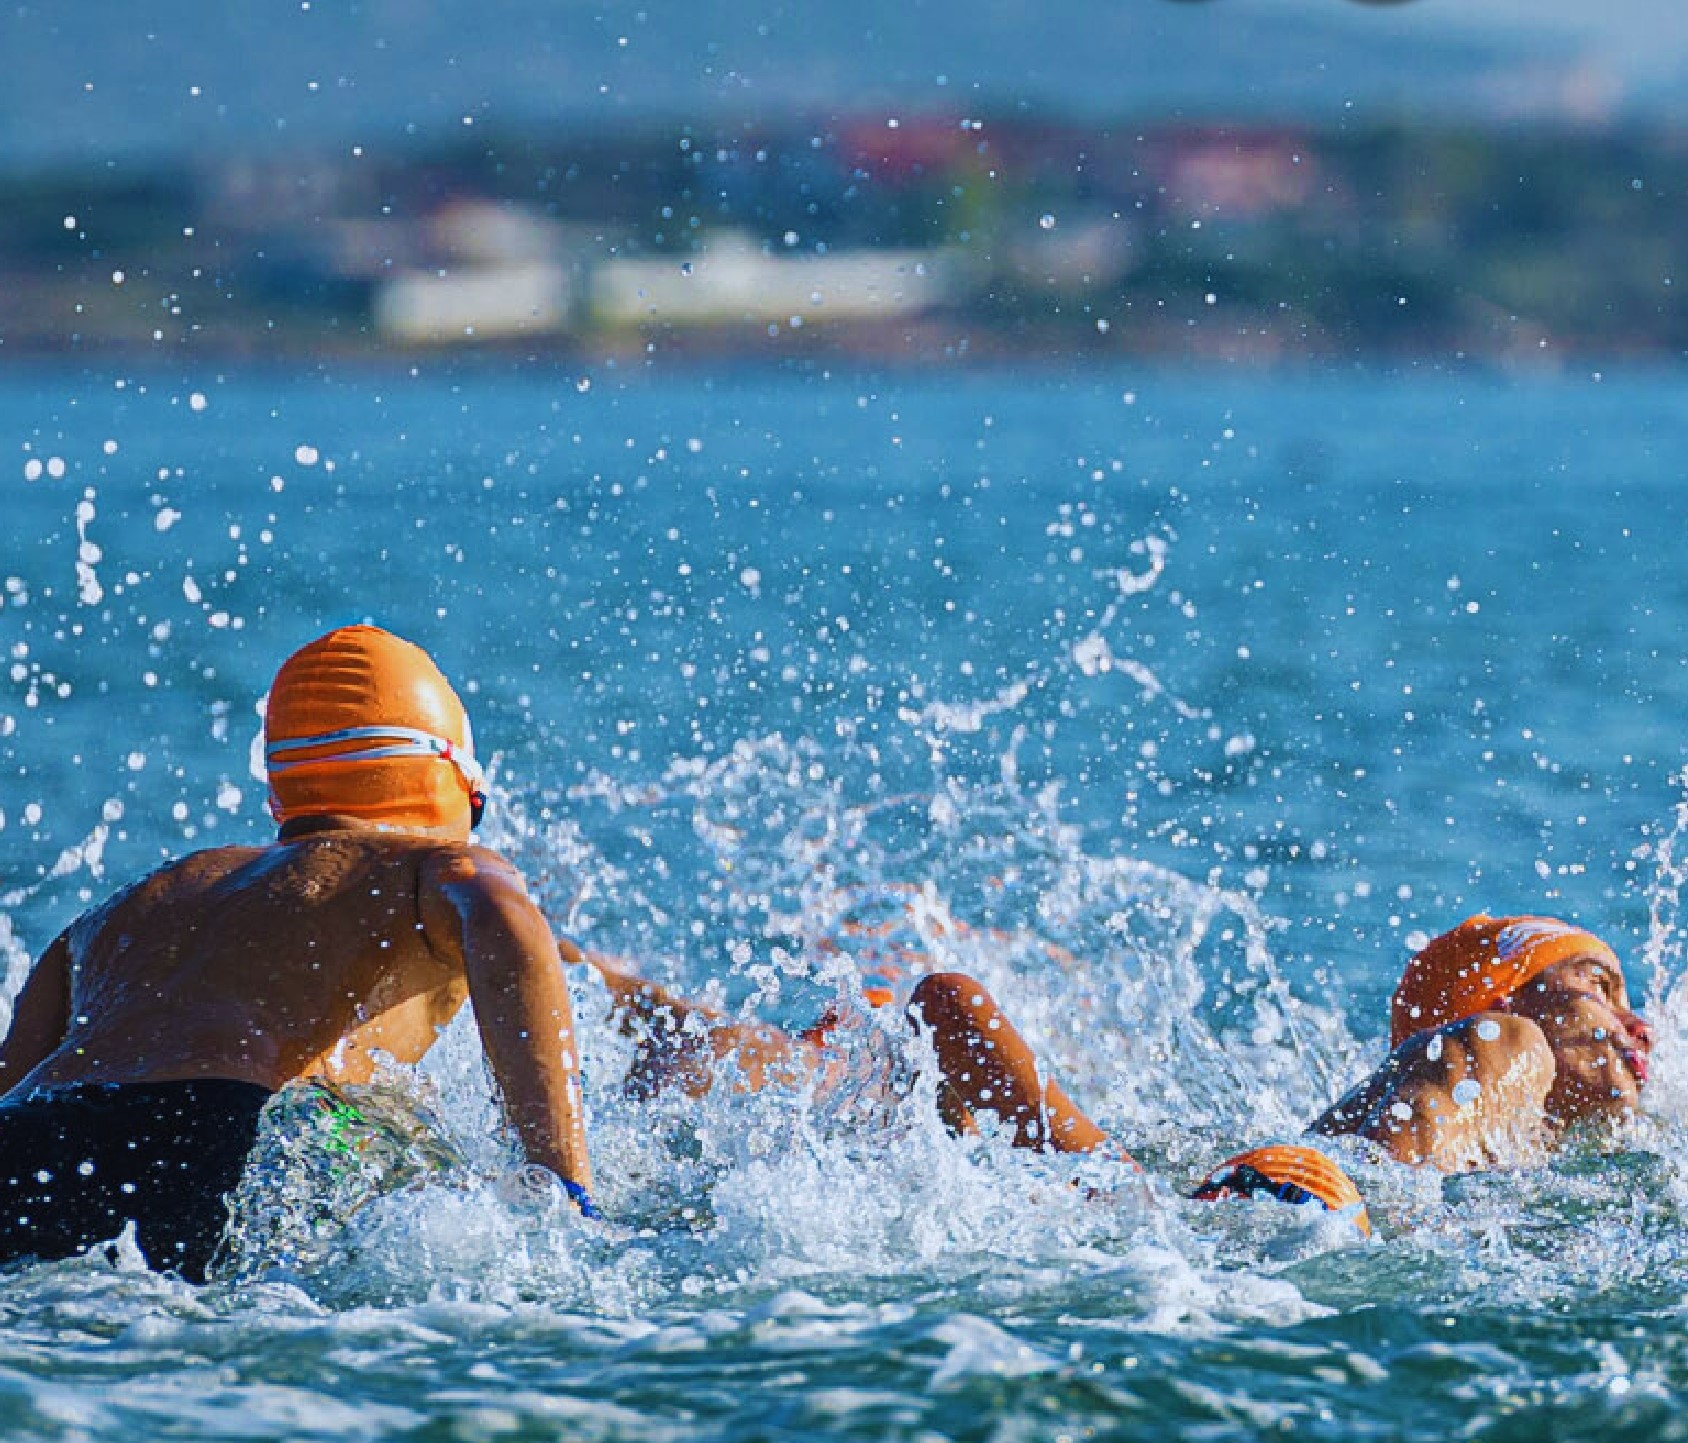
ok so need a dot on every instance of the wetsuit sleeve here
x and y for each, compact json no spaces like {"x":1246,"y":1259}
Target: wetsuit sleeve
{"x":474,"y":904}
{"x":40,"y":1016}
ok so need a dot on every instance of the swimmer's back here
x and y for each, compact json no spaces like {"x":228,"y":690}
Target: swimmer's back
{"x":266,"y":964}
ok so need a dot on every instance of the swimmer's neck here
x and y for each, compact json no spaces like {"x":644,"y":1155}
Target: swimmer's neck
{"x":297,"y":828}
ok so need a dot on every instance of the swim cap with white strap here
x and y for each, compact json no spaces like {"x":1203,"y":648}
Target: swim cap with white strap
{"x":1479,"y":964}
{"x":357,"y":724}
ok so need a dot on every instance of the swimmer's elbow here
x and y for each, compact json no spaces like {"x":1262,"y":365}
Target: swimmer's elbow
{"x":1337,"y":1120}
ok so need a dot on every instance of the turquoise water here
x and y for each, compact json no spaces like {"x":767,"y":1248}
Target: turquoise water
{"x":1199,"y":697}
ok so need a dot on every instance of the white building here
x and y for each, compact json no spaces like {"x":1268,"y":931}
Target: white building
{"x":734,"y":280}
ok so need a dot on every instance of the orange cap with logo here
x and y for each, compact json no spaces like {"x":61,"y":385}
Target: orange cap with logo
{"x":1292,"y":1174}
{"x":361,"y":723}
{"x":1481,"y":963}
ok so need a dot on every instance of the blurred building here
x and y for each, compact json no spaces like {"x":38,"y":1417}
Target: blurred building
{"x":494,"y":272}
{"x":734,"y":281}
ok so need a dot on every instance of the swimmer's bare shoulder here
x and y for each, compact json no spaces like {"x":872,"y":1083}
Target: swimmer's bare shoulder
{"x":305,"y":958}
{"x":1460,"y":1096}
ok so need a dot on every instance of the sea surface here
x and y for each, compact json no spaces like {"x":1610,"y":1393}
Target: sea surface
{"x":1178,"y":706}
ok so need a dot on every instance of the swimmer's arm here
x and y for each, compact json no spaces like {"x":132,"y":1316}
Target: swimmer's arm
{"x":40,"y":1016}
{"x":1349,"y":1113}
{"x":673,"y":1052}
{"x":632,"y":994}
{"x":1383,"y":1114}
{"x":475,"y":903}
{"x":1411,"y":1108}
{"x":1405,"y":1107}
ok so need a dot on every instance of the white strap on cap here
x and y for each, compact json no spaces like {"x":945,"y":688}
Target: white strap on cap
{"x":403,"y":742}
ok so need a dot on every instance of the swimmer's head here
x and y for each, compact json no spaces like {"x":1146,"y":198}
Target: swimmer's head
{"x":1290,"y":1174}
{"x":1601,"y":1049}
{"x":362,"y":724}
{"x":1480,"y":964}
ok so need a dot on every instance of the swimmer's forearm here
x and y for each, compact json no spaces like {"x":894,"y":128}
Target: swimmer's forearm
{"x":529,"y":1035}
{"x":633,"y":994}
{"x":521,"y":1002}
{"x":1070,"y":1128}
{"x":567,"y":1156}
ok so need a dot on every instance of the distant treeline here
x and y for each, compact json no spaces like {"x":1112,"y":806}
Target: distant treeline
{"x":1048,"y":240}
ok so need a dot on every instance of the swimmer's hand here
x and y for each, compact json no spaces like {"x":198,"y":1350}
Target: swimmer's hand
{"x":532,"y":1185}
{"x":1109,"y":1187}
{"x":581,"y":1199}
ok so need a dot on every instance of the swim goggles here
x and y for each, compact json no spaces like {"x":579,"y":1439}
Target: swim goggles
{"x":1246,"y":1181}
{"x":401,"y":742}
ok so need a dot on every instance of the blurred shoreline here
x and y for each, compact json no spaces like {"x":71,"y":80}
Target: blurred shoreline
{"x":920,"y":241}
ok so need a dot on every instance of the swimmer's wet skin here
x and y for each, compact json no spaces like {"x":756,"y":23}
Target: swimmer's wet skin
{"x":1504,"y":1031}
{"x":151,"y":1031}
{"x":987,"y":1066}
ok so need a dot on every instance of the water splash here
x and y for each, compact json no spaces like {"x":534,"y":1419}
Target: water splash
{"x":1665,"y":956}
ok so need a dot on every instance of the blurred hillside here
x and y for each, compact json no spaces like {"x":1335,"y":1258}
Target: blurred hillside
{"x":922,"y":239}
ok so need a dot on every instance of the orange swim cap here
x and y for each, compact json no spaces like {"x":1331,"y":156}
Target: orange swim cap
{"x":1478,"y":965}
{"x":1292,"y":1174}
{"x":361,"y":723}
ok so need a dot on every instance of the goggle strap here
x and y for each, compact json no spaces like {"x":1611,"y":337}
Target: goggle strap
{"x":1247,"y":1181}
{"x":408,"y":742}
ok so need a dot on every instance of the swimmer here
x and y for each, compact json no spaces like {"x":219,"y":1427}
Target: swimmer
{"x":152,"y":1031}
{"x":987,"y":1067}
{"x":1504,"y":1033}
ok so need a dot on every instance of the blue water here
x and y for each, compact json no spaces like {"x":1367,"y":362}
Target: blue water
{"x":1211,"y":693}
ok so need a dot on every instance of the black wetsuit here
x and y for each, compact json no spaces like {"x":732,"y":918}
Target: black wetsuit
{"x":78,"y":1162}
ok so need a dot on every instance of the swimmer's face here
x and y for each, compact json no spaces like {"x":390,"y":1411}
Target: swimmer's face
{"x":1600,"y":1048}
